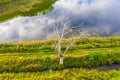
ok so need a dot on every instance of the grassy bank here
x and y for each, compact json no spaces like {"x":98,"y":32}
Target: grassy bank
{"x":39,"y":60}
{"x":73,"y":74}
{"x":47,"y":46}
{"x":51,"y":62}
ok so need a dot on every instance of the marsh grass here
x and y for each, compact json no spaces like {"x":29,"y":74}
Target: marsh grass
{"x":38,"y":60}
{"x":10,"y":9}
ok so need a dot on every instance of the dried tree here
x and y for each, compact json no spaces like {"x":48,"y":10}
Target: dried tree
{"x":61,"y":28}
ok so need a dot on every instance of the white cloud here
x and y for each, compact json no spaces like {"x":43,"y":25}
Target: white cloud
{"x":99,"y":15}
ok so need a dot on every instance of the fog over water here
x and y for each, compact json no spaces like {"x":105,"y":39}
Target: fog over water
{"x":99,"y":16}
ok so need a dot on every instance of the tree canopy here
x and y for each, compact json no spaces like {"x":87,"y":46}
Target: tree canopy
{"x":10,"y":9}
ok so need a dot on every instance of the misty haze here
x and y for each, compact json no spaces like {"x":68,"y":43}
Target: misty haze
{"x":93,"y":16}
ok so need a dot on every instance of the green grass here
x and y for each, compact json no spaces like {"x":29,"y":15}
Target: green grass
{"x":32,"y":63}
{"x":13,"y":8}
{"x":73,"y":74}
{"x":48,"y":46}
{"x":35,"y":59}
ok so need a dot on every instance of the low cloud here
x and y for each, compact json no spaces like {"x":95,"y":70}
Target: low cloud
{"x":99,"y":16}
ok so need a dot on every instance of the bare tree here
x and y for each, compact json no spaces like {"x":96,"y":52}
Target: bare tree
{"x":62,"y":28}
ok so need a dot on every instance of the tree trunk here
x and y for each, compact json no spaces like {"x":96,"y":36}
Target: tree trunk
{"x":61,"y":59}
